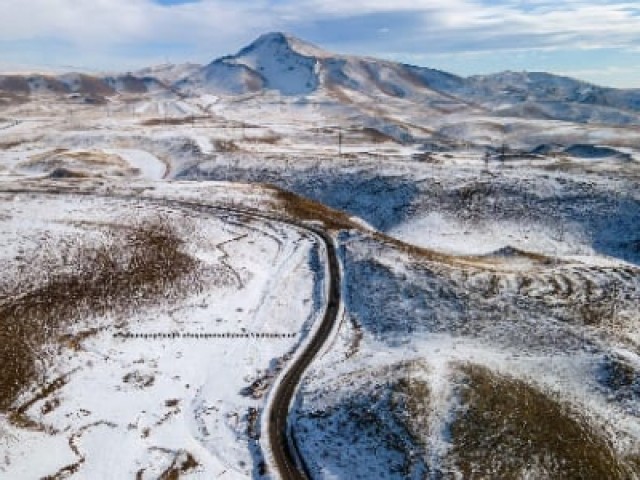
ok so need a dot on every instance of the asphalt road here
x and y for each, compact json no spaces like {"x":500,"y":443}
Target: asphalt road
{"x":284,"y":455}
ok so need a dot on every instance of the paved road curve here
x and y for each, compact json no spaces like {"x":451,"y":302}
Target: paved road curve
{"x":284,"y":456}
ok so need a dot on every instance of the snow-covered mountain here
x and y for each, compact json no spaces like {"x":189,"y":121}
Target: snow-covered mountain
{"x":291,"y":67}
{"x":281,"y":64}
{"x":92,"y":87}
{"x":545,"y":95}
{"x":274,"y":61}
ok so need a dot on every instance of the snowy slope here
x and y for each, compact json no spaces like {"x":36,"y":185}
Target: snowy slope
{"x":273,"y":62}
{"x":527,"y":278}
{"x":168,"y":73}
{"x":282,"y":63}
{"x":544,"y":95}
{"x":278,"y":59}
{"x":290,"y":66}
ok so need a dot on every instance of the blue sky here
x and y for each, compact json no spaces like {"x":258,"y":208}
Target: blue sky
{"x":594,"y":40}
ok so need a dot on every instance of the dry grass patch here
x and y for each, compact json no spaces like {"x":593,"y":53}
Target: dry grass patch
{"x":376,"y":136}
{"x":411,"y":400}
{"x":61,"y":173}
{"x":304,"y":209}
{"x":182,"y":464}
{"x":508,"y":429}
{"x":228,"y":146}
{"x":9,"y":144}
{"x":133,"y":268}
{"x":76,"y":161}
{"x":8,"y":99}
{"x":153,"y":122}
{"x":634,"y":463}
{"x":271,"y":139}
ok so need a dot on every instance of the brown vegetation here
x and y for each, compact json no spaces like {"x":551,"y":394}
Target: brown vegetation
{"x":304,"y":209}
{"x":66,"y":173}
{"x":75,"y":161}
{"x":191,"y":119}
{"x":183,"y":463}
{"x":92,"y":85}
{"x":10,"y":99}
{"x":509,"y":429}
{"x":411,"y":398}
{"x":136,"y":266}
{"x":15,"y":84}
{"x":270,"y":139}
{"x":376,"y":136}
{"x":225,"y":146}
{"x":9,"y":144}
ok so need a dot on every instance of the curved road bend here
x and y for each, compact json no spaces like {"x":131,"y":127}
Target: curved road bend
{"x":283,"y":453}
{"x":286,"y":457}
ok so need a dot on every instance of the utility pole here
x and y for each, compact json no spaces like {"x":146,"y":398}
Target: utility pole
{"x":339,"y":142}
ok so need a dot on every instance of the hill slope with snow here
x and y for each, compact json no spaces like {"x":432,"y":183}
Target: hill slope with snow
{"x":291,"y":67}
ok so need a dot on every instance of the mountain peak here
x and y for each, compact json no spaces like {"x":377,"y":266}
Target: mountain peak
{"x":271,"y":37}
{"x":268,"y":41}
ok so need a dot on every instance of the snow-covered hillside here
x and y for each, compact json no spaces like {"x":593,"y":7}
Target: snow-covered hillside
{"x":290,"y":66}
{"x":274,"y":61}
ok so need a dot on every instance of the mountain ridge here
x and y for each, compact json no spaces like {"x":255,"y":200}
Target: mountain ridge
{"x":288,"y":66}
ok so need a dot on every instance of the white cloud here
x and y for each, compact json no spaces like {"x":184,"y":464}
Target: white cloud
{"x":122,"y":21}
{"x":566,"y":23}
{"x":104,"y":28}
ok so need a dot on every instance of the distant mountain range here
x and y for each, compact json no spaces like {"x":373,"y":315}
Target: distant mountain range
{"x":281,"y":64}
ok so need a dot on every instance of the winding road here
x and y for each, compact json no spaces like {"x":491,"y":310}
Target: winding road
{"x":285,"y":456}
